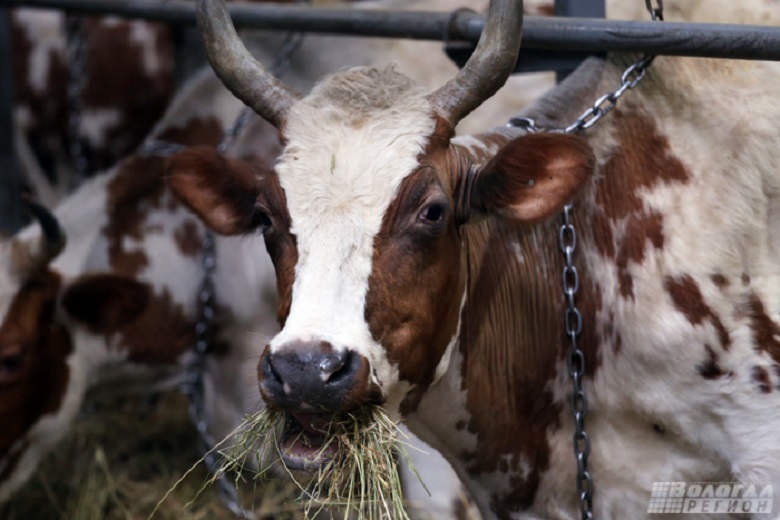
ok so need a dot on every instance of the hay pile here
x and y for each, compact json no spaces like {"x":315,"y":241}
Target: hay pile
{"x":121,"y":458}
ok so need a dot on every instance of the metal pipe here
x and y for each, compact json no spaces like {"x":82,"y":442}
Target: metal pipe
{"x":580,"y":34}
{"x":11,"y":217}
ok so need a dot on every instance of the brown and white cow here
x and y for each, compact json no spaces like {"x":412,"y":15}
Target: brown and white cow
{"x":128,"y":81}
{"x":422,"y":271}
{"x":115,"y":310}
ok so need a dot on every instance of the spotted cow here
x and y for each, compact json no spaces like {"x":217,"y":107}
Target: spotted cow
{"x":422,"y":271}
{"x":119,"y":104}
{"x":115,"y":308}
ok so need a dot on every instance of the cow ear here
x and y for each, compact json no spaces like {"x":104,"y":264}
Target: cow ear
{"x":105,"y":302}
{"x":220,"y":190}
{"x":532,"y":177}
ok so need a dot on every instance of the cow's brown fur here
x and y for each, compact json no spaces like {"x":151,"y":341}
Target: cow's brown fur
{"x":40,"y":391}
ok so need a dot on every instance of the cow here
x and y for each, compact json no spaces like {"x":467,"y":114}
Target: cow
{"x":118,"y":105}
{"x":108,"y":268}
{"x":422,"y":272}
{"x":115,"y":308}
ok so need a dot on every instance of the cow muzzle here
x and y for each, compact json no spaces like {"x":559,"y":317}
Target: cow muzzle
{"x":315,"y":387}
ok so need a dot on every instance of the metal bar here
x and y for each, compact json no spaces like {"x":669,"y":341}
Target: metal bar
{"x":581,"y":8}
{"x":10,"y":184}
{"x":578,"y":9}
{"x":573,"y":34}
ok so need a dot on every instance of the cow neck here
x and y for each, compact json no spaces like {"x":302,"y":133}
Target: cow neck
{"x":505,"y":387}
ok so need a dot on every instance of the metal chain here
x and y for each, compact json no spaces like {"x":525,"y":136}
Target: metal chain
{"x":76,"y":58}
{"x":193,"y":385}
{"x":603,"y":105}
{"x":567,"y":238}
{"x":575,"y":361}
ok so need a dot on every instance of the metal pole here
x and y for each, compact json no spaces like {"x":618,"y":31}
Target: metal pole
{"x":10,"y":185}
{"x":577,"y":9}
{"x":567,"y":34}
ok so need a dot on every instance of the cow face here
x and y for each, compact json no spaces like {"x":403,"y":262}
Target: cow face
{"x":363,"y":218}
{"x":33,"y":349}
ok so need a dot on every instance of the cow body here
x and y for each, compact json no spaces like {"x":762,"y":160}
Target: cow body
{"x":422,"y":272}
{"x":113,"y":223}
{"x":119,"y":105}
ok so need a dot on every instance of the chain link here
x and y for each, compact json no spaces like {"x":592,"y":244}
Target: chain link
{"x":603,"y":105}
{"x":76,"y":58}
{"x":575,"y":361}
{"x":567,"y":238}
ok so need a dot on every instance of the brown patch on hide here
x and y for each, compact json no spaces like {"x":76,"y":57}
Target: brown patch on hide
{"x":33,"y":352}
{"x":720,"y":281}
{"x":745,"y":279}
{"x":688,"y":300}
{"x":766,"y":332}
{"x":160,"y":334}
{"x":710,"y":369}
{"x":119,"y":79}
{"x":415,"y":326}
{"x":640,"y":229}
{"x":189,"y":238}
{"x":138,"y":188}
{"x":512,"y":335}
{"x":104,"y":302}
{"x":760,"y":376}
{"x":133,"y":193}
{"x":195,"y":132}
{"x":47,"y":107}
{"x":641,"y":161}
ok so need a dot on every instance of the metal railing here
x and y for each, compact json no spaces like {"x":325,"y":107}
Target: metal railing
{"x":561,"y":40}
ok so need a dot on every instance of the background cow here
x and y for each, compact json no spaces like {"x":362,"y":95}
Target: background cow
{"x":119,"y":104}
{"x":116,"y":309}
{"x":423,"y":271}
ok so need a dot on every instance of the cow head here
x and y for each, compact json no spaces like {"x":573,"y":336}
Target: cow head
{"x":363,"y":218}
{"x":40,"y":385}
{"x":33,"y":349}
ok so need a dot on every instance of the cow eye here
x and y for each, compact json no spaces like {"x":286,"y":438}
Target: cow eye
{"x":432,"y":213}
{"x":9,"y":363}
{"x":261,"y":218}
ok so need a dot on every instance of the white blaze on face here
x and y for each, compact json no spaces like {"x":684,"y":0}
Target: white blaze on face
{"x":350,"y":144}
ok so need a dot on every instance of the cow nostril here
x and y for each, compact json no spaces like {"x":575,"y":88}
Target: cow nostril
{"x":341,"y":370}
{"x":269,"y":372}
{"x":329,"y":366}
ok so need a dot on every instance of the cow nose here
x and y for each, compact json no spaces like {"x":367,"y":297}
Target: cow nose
{"x":309,"y":379}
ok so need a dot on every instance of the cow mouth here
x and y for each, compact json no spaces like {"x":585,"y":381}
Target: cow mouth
{"x":307,"y":443}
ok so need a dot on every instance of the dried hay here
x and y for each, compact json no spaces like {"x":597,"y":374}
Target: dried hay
{"x":362,"y":478}
{"x":118,"y":461}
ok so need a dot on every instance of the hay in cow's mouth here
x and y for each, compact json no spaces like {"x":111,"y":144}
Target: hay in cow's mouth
{"x":347,"y":462}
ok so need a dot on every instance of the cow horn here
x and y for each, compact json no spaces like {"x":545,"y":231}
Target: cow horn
{"x":241,"y":73}
{"x":489,"y":67}
{"x":30,"y":257}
